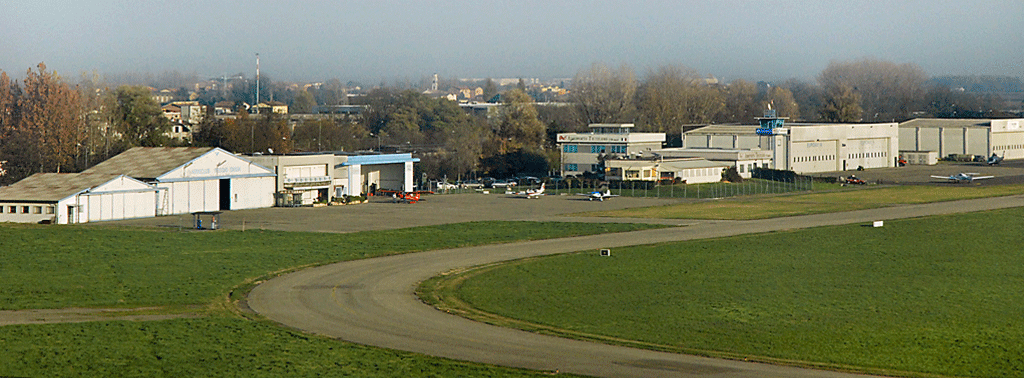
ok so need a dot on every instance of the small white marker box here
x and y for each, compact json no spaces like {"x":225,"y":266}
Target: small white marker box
{"x":877,"y":224}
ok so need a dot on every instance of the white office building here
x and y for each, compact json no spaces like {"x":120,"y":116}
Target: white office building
{"x":581,"y":152}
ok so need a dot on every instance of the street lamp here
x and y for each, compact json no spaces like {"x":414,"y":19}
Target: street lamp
{"x":378,"y":140}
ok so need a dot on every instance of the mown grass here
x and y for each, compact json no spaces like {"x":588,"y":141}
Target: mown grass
{"x":57,"y":267}
{"x":215,"y":346}
{"x":760,"y":207}
{"x":933,"y":296}
{"x":53,"y":267}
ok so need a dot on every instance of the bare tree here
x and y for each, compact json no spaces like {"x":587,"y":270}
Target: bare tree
{"x":672,"y":96}
{"x":742,"y":104}
{"x":51,"y":120}
{"x":604,"y":95}
{"x":781,"y":99}
{"x":841,"y":104}
{"x":887,"y":91}
{"x":808,"y":97}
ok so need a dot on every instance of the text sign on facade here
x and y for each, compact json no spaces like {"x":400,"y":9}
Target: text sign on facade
{"x":591,"y":138}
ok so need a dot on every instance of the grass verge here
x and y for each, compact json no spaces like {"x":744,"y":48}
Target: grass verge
{"x":760,"y":207}
{"x":936,"y":296}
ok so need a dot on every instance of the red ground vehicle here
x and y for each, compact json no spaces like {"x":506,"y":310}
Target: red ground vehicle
{"x":853,"y":180}
{"x":403,"y":197}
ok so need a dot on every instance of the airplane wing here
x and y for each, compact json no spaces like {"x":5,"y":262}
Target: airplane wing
{"x":944,"y":177}
{"x":982,"y":177}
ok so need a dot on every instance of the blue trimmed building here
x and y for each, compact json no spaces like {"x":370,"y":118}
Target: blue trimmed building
{"x":323,"y":175}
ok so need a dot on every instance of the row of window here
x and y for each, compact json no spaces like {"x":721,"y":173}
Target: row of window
{"x":867,"y":155}
{"x":804,"y":159}
{"x":573,"y":148}
{"x":576,"y":167}
{"x":1009,"y":147}
{"x":26,"y":209}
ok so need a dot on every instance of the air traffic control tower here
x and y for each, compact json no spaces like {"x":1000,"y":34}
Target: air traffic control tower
{"x":771,"y":127}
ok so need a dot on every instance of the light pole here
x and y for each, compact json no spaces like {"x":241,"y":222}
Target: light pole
{"x":378,"y":140}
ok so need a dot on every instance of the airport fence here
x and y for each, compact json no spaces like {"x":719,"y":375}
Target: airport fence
{"x":656,"y":189}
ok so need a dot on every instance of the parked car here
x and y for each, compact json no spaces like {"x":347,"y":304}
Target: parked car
{"x":444,"y":185}
{"x":471,"y":184}
{"x":528,"y":180}
{"x":503,"y":184}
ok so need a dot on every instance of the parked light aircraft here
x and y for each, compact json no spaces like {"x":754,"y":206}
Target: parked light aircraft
{"x":963,"y":177}
{"x":994,"y":159}
{"x":533,"y":193}
{"x":598,"y":195}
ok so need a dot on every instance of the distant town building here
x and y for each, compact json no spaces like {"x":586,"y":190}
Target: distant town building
{"x":272,"y":107}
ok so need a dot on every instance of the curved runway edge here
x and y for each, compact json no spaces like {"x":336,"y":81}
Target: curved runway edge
{"x":372,"y":302}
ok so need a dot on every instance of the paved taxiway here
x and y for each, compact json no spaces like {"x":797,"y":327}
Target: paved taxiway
{"x":372,"y":302}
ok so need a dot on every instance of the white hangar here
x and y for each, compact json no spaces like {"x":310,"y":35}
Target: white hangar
{"x":984,"y":137}
{"x":65,"y":198}
{"x":806,"y":147}
{"x":194,"y":179}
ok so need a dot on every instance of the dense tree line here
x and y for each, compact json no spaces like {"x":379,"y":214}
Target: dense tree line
{"x":864,"y":90}
{"x":670,"y":97}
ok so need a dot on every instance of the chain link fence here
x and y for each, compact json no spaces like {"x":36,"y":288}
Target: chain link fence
{"x":765,"y":181}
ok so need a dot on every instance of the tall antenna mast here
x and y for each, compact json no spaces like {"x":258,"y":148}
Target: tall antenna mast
{"x":257,"y":83}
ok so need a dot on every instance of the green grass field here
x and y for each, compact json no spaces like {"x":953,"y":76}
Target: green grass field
{"x":215,"y":346}
{"x":932,"y":296}
{"x":56,"y":267}
{"x":760,"y":207}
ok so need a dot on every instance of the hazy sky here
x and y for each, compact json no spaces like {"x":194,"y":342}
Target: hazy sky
{"x":373,"y":40}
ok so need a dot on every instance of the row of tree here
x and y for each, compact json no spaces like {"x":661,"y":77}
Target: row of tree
{"x":48,"y":125}
{"x":865,"y":90}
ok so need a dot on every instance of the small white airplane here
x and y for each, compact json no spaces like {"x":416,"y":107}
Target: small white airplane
{"x":598,"y":195}
{"x":994,"y":159}
{"x":963,"y":177}
{"x":533,"y":193}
